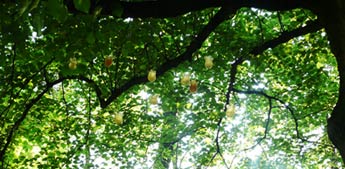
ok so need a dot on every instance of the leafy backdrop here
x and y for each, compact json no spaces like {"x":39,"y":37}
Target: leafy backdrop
{"x":274,"y":68}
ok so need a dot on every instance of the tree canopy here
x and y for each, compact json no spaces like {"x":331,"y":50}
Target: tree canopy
{"x":179,"y":84}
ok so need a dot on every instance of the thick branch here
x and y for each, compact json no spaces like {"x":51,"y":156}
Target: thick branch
{"x":221,"y":16}
{"x":331,"y":14}
{"x":312,"y":26}
{"x":164,"y":9}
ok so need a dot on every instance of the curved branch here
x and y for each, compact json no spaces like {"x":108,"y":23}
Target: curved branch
{"x":164,"y":9}
{"x":25,"y":83}
{"x":232,"y":80}
{"x":33,"y":101}
{"x":298,"y":134}
{"x":221,"y":16}
{"x":285,"y":36}
{"x":21,"y":119}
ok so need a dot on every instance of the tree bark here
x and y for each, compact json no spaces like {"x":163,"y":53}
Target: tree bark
{"x":332,"y":16}
{"x":165,"y":9}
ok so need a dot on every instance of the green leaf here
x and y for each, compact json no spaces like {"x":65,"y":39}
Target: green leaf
{"x":57,"y":9}
{"x":82,"y":5}
{"x":90,"y":38}
{"x":71,"y":119}
{"x":37,"y":23}
{"x":117,"y":9}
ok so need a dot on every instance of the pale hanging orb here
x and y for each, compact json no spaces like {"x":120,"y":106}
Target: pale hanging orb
{"x":72,"y":63}
{"x":151,"y":75}
{"x":230,"y":110}
{"x":208,"y":62}
{"x":118,"y":118}
{"x":153,"y":99}
{"x":185,"y":80}
{"x":108,"y":61}
{"x":193,"y":86}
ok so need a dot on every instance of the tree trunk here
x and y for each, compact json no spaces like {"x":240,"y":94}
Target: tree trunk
{"x":332,"y":15}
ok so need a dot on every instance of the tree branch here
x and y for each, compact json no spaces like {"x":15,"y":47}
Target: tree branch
{"x":20,"y":120}
{"x":233,"y":72}
{"x":221,"y":16}
{"x":33,"y":101}
{"x":298,"y":134}
{"x":23,"y":85}
{"x":156,"y":11}
{"x":164,"y":9}
{"x":285,"y":36}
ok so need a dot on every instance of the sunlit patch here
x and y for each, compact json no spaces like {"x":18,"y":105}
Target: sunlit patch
{"x":127,"y":20}
{"x":207,"y":140}
{"x":35,"y":150}
{"x":259,"y":86}
{"x":143,"y":94}
{"x":255,"y":153}
{"x":241,"y":96}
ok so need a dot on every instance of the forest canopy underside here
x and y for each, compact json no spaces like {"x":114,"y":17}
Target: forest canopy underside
{"x":182,"y":84}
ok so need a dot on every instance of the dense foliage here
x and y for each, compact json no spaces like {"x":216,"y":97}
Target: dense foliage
{"x":282,"y":84}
